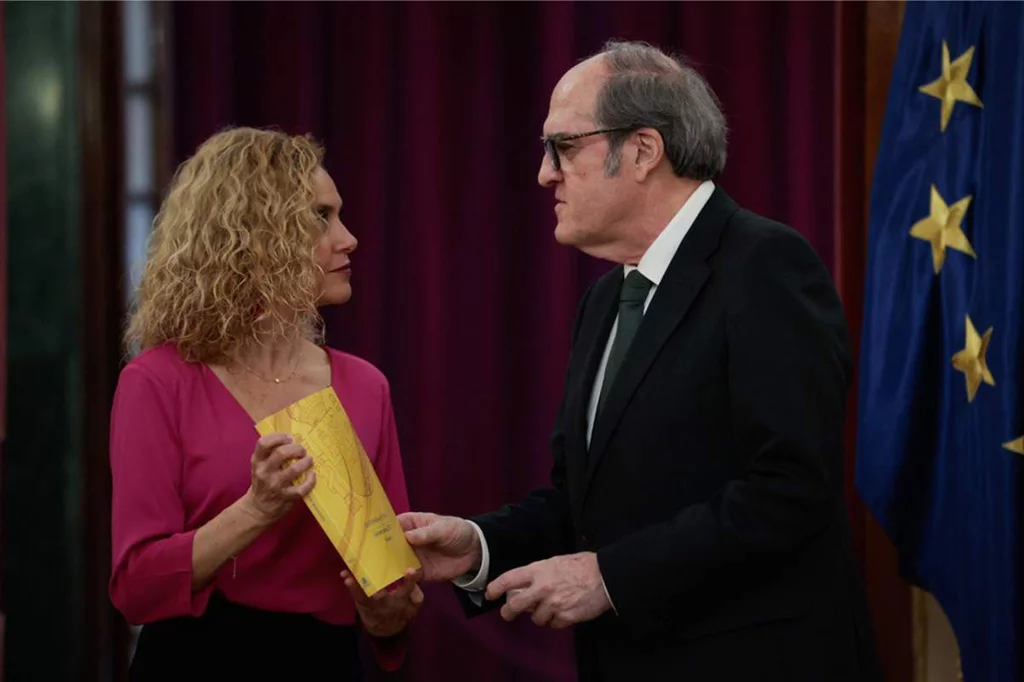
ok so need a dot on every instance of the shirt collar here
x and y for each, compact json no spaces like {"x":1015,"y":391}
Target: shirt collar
{"x":656,"y":259}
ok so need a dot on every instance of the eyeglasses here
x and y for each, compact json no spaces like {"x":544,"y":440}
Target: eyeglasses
{"x":551,"y":142}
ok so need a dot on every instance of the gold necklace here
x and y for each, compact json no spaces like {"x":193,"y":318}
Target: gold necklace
{"x":276,"y":380}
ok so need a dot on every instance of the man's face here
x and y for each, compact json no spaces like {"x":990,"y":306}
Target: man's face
{"x":590,"y":206}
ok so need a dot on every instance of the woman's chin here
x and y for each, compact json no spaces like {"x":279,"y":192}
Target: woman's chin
{"x":336,"y":294}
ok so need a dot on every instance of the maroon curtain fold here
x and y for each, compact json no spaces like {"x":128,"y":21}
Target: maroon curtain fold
{"x":431,"y":114}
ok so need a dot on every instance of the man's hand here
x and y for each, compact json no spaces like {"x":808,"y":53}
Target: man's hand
{"x":446,"y":546}
{"x":386,"y":613}
{"x":560,"y":591}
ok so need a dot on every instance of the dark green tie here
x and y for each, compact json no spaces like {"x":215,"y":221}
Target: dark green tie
{"x":631,"y":311}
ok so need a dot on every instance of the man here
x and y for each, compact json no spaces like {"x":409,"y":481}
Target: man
{"x":695,"y":527}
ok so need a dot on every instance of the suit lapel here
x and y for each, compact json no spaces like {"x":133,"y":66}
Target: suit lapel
{"x":594,"y":335}
{"x":680,"y":286}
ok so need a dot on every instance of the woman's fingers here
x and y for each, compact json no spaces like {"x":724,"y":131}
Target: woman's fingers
{"x":353,"y":588}
{"x":292,"y":473}
{"x":266,"y":445}
{"x":304,"y":486}
{"x":278,"y":459}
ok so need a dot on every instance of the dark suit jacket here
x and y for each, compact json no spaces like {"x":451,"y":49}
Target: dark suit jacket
{"x":712,"y":491}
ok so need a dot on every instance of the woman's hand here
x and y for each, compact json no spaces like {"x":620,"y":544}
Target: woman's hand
{"x":386,"y":613}
{"x":271,"y":494}
{"x":277,"y":463}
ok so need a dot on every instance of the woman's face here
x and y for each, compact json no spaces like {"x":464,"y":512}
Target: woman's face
{"x":337,"y":244}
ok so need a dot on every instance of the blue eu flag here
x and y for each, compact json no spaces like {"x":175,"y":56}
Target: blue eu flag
{"x":939,"y":453}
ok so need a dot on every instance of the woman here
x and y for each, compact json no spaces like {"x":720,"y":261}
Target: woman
{"x":214,"y":550}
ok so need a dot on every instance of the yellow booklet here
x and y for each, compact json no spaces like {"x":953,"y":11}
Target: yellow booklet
{"x":348,"y":499}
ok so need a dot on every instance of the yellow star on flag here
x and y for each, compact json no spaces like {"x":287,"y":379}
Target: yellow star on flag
{"x":971,"y":360}
{"x":942,"y":228}
{"x":952,"y":86}
{"x":1015,"y":446}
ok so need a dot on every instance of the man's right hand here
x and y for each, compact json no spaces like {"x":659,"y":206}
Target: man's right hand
{"x":447,"y":546}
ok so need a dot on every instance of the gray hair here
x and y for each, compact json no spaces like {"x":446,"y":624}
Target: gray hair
{"x":649,"y":89}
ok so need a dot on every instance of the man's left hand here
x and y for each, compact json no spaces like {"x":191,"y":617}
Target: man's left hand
{"x":560,"y":591}
{"x":386,"y":613}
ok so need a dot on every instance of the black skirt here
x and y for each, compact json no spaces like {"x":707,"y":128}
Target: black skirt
{"x":233,"y":642}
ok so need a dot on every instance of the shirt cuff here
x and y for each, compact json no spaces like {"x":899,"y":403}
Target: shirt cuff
{"x":610,"y":602}
{"x":477,"y":583}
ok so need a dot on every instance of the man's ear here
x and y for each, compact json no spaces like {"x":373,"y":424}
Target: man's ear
{"x":650,"y":150}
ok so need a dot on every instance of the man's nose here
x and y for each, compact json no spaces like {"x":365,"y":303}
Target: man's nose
{"x":547,"y":175}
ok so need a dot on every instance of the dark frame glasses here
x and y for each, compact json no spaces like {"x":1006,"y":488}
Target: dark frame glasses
{"x":551,"y":142}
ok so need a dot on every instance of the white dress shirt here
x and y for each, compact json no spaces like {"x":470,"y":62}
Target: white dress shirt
{"x":653,"y":266}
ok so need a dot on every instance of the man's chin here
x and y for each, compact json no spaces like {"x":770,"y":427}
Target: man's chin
{"x":565,"y":235}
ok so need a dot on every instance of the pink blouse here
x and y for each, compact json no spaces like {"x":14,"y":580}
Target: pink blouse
{"x":180,"y":446}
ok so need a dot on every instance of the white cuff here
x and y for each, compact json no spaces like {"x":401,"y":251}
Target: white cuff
{"x":476,"y":583}
{"x":609,"y":596}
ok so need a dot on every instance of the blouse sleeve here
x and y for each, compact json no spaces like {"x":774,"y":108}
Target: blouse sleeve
{"x":151,"y":575}
{"x":390,"y":652}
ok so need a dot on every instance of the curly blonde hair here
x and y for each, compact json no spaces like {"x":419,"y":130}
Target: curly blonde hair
{"x":231,"y":261}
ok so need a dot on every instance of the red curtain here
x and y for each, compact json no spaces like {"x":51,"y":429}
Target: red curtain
{"x":431,"y":114}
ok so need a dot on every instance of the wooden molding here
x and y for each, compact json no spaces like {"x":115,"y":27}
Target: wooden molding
{"x":103,"y":633}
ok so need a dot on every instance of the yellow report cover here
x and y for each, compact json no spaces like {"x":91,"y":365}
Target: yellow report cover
{"x":347,"y":500}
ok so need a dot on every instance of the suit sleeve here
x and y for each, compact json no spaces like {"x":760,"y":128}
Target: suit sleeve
{"x":539,"y":526}
{"x":788,"y":373}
